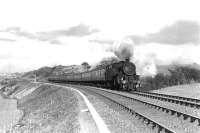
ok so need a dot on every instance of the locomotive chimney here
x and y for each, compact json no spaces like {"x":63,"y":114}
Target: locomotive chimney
{"x":127,"y":59}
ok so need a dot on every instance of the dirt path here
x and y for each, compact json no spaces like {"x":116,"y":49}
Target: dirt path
{"x":87,"y":124}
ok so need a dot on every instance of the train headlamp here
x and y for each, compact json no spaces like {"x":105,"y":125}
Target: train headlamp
{"x":124,"y":81}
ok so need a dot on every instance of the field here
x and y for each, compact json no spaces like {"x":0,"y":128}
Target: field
{"x":188,"y":90}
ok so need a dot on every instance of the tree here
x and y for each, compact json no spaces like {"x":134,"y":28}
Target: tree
{"x":178,"y":75}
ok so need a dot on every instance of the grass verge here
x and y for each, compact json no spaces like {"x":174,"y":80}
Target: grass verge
{"x":48,"y":109}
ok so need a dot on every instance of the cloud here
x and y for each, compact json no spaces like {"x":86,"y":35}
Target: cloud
{"x":102,"y":41}
{"x":5,"y":56}
{"x":55,"y":42}
{"x":7,"y":40}
{"x":80,"y":30}
{"x":19,"y":32}
{"x":181,"y":32}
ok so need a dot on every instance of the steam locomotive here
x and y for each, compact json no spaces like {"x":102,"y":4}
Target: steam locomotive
{"x":118,"y":76}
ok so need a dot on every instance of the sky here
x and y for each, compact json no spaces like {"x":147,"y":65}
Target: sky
{"x":36,"y":33}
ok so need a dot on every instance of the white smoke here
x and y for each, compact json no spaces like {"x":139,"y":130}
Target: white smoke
{"x":148,"y":57}
{"x":145,"y":63}
{"x":123,"y":49}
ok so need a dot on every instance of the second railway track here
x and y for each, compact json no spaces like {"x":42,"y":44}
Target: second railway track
{"x":150,"y":112}
{"x":189,"y":102}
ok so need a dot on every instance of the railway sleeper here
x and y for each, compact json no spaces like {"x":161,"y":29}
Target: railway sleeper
{"x":139,"y":116}
{"x":170,"y":111}
{"x":171,"y":96}
{"x":158,"y":128}
{"x":185,"y":103}
{"x":173,"y":112}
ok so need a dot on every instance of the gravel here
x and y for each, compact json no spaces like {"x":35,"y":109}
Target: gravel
{"x":173,"y":122}
{"x":180,"y":108}
{"x":117,"y":120}
{"x":120,"y":121}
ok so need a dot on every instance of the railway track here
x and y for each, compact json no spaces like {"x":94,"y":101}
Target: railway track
{"x":155,"y":124}
{"x":189,"y":102}
{"x":152,"y":123}
{"x":188,"y":123}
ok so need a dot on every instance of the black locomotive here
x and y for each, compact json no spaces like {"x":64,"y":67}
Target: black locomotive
{"x":119,"y":76}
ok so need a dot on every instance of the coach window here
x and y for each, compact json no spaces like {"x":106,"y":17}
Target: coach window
{"x":102,"y":72}
{"x":96,"y":73}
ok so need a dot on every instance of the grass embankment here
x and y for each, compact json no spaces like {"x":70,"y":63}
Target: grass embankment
{"x":13,"y":87}
{"x":9,"y":114}
{"x":188,"y":90}
{"x":48,"y":109}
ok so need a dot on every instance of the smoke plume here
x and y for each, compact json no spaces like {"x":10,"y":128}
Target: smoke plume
{"x":124,"y":49}
{"x":146,"y":63}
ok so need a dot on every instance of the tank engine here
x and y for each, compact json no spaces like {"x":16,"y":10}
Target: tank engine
{"x":119,"y":76}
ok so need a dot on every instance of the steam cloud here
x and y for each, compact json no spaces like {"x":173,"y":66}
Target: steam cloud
{"x":146,"y":64}
{"x":124,"y":49}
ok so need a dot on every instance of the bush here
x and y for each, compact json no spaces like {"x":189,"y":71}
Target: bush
{"x":179,"y":75}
